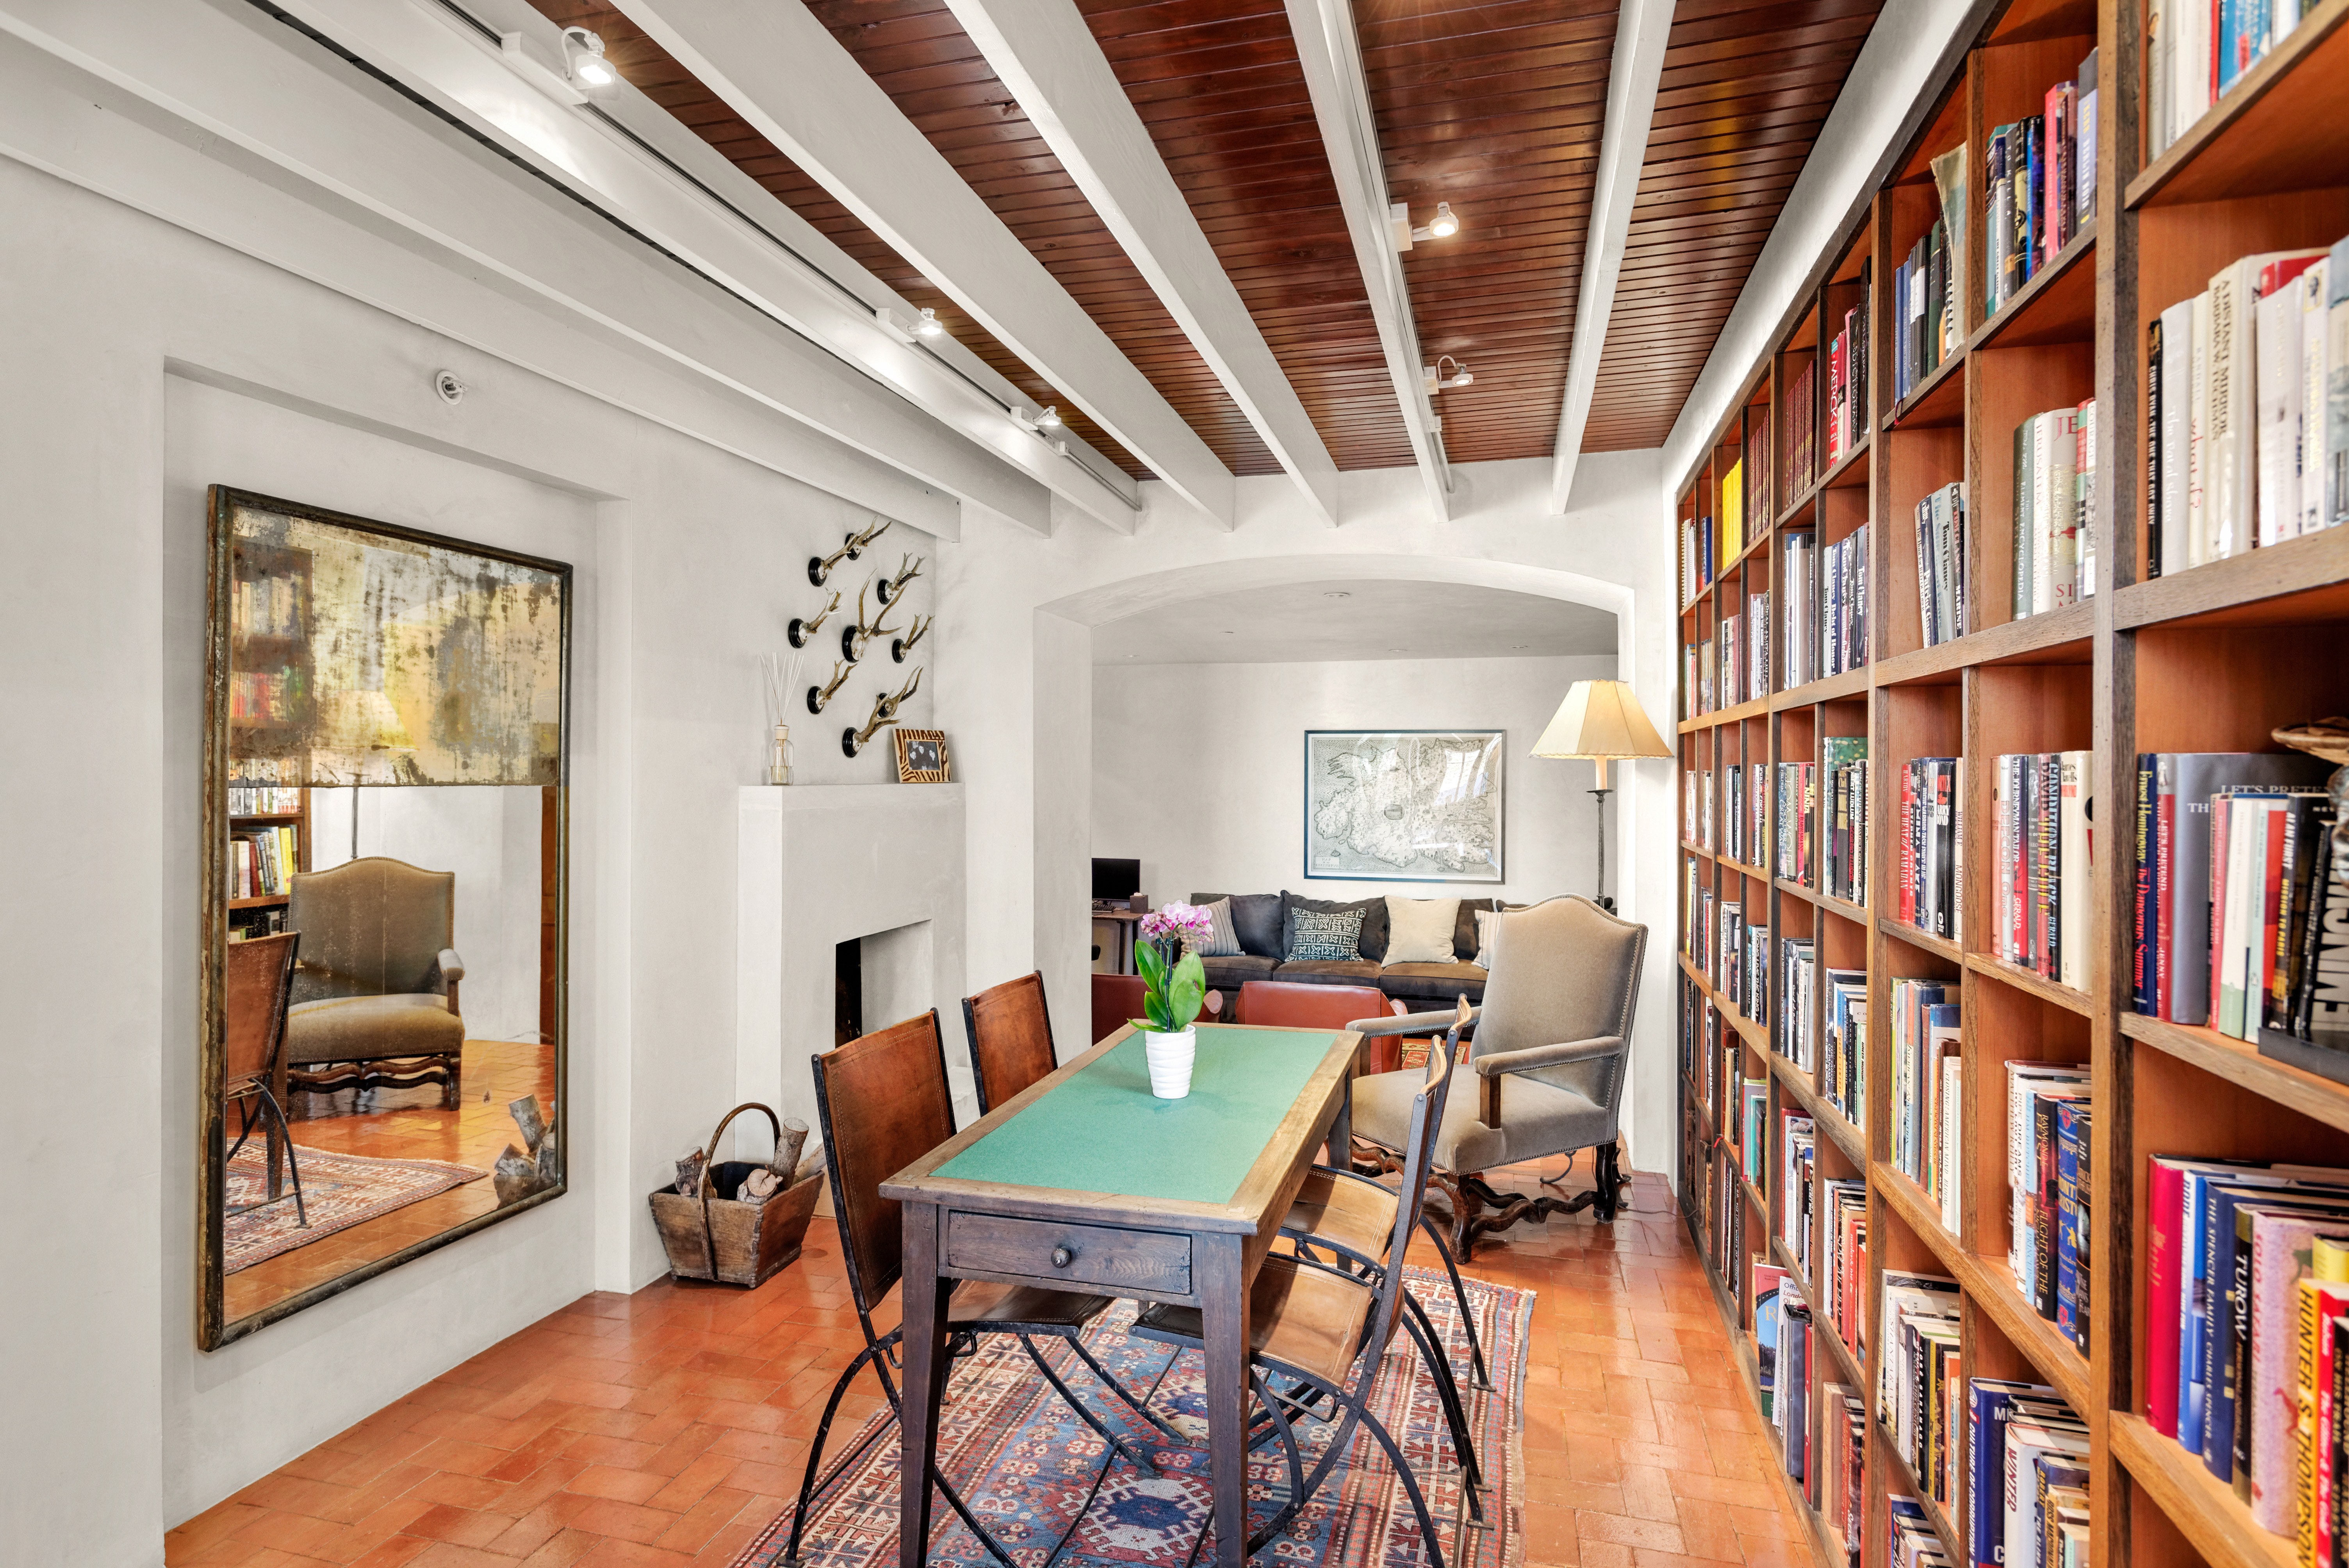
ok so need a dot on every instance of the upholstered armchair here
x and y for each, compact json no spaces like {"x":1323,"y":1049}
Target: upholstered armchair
{"x":1548,"y":1056}
{"x":375,"y":994}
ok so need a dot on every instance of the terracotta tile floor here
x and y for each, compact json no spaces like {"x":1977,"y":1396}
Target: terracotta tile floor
{"x":666,"y":1427}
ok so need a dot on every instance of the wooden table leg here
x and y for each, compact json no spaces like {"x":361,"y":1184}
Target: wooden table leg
{"x":1340,"y":1149}
{"x":1224,"y":1312}
{"x":923,"y":1296}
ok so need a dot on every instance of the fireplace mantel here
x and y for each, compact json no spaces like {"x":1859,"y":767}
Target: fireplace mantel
{"x":821,"y":864}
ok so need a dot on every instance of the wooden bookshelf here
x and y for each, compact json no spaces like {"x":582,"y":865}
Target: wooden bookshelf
{"x":2207,"y":659}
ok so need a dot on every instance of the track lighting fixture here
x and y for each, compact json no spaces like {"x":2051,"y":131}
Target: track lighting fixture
{"x":1442,"y":226}
{"x":583,"y":58}
{"x":1049,"y":419}
{"x":929,"y":325}
{"x":1439,"y":382}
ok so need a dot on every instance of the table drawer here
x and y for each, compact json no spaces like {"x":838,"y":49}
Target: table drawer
{"x":1128,"y":1261}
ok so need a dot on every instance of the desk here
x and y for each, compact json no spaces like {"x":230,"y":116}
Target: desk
{"x":1087,"y":1181}
{"x":1124,"y":925}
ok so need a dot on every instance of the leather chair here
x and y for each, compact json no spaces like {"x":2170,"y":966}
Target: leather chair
{"x":1117,"y":1002}
{"x":1010,"y":1039}
{"x":1550,"y":1057}
{"x":1325,"y":1333}
{"x":882,"y":1103}
{"x":256,"y":980}
{"x":374,"y":995}
{"x":1296,"y":1005}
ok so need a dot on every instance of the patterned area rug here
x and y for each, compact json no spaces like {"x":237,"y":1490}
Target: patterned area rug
{"x":338,"y":1190}
{"x":1032,"y":1470}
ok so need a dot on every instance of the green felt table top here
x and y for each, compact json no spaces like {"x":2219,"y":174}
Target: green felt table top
{"x":1100,"y":1130}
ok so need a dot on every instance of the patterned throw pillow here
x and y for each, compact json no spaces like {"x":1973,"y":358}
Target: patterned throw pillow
{"x":1226,"y":942}
{"x":1332,"y":937}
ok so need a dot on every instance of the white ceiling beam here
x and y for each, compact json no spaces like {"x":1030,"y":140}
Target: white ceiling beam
{"x":778,"y":67}
{"x":1332,"y":58}
{"x":1042,"y":50}
{"x":1643,"y":28}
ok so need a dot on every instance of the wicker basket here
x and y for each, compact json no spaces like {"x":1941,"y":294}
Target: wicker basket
{"x":722,"y":1239}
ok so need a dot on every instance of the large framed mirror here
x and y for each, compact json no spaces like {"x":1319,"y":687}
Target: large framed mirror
{"x":385,"y":812}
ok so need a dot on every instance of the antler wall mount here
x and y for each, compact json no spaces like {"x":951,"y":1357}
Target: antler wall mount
{"x":900,"y":646}
{"x":800,"y":631}
{"x":819,"y":695}
{"x":885,"y":714}
{"x":852,"y":548}
{"x":908,"y":568}
{"x":854,"y":639}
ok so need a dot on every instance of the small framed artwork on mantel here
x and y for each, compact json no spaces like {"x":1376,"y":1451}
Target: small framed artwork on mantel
{"x":922,"y":757}
{"x":1404,"y":805}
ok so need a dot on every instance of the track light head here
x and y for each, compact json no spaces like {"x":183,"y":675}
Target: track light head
{"x":1049,"y":419}
{"x":1444,"y":224}
{"x":583,"y":57}
{"x":929,"y":325}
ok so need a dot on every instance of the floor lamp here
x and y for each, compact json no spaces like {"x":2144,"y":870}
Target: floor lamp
{"x":1602,"y":721}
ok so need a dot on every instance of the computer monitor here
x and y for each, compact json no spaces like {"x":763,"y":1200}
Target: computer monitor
{"x":1118,"y":879}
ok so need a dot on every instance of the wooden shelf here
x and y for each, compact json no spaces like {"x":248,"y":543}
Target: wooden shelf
{"x":1752,"y":871}
{"x":1847,"y":1362}
{"x":2318,"y":1099}
{"x":1827,"y":688}
{"x":1695,"y":848}
{"x":1851,"y":469}
{"x":1754,"y":708}
{"x":2280,"y":119}
{"x":2057,"y":305}
{"x":1939,"y":399}
{"x":2204,"y":1508}
{"x":2060,"y":637}
{"x":2030,"y":980}
{"x":1991,"y":1285}
{"x":1917,"y":937}
{"x":2296,"y":583}
{"x":267,"y":901}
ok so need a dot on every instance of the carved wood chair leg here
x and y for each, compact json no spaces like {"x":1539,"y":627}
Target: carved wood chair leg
{"x":1467,"y":1211}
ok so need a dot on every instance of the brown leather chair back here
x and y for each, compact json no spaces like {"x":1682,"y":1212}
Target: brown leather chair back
{"x":1117,"y":1002}
{"x":256,"y":980}
{"x":882,"y":1102}
{"x":371,"y":927}
{"x":1010,"y":1039}
{"x":1285,"y":1004}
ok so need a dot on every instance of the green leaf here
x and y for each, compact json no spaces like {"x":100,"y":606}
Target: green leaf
{"x":1189,"y":992}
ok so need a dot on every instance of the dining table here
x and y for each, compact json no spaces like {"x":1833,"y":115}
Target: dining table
{"x":1088,"y":1182}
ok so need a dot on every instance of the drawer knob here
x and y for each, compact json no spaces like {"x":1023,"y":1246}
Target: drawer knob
{"x":1063,"y":1257}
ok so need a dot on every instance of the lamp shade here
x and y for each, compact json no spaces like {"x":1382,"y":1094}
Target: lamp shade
{"x":1601,"y":720}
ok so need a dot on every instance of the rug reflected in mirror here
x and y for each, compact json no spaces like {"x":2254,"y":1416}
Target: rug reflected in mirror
{"x":1034,"y":1473}
{"x":338,"y":1190}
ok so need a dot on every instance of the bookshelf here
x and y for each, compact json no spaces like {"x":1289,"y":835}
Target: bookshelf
{"x":2209,"y":658}
{"x":272,"y":708}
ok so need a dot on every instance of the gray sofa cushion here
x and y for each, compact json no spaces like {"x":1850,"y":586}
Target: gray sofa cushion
{"x":1256,"y":917}
{"x":1372,"y":944}
{"x":1327,"y":973}
{"x":1432,"y":982}
{"x":1228,"y":975}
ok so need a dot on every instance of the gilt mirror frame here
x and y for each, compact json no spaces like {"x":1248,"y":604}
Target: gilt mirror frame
{"x":213,"y":1330}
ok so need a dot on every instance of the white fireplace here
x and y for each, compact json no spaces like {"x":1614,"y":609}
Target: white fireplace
{"x":827,"y":864}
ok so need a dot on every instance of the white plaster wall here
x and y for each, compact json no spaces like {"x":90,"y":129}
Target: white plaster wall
{"x":487,"y":835}
{"x":145,"y":363}
{"x":1016,"y":697}
{"x":1199,"y":769}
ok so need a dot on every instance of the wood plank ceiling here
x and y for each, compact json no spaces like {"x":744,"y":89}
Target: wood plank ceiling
{"x":1495,"y":105}
{"x":1745,"y":87}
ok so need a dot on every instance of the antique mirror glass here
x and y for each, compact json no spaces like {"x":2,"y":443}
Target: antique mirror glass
{"x":383,"y":919}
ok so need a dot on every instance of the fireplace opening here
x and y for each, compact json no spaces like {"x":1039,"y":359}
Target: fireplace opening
{"x":847,"y":991}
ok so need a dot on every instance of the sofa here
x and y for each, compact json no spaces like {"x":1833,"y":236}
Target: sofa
{"x":1262,"y":922}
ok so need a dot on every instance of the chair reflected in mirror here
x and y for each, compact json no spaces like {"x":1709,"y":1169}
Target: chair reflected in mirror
{"x":259,"y":979}
{"x":376,"y":994}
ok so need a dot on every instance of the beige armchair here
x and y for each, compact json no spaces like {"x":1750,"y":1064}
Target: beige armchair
{"x":1549,"y":1054}
{"x":375,"y":994}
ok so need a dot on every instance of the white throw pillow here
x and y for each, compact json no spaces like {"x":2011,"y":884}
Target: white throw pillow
{"x":1419,"y":930}
{"x":1488,"y":926}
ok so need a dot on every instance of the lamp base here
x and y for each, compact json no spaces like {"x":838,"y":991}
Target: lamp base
{"x":1600,"y":897}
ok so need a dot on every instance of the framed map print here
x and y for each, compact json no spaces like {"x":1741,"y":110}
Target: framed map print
{"x":1404,"y":805}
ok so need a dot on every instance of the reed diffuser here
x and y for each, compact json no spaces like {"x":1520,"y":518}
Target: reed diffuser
{"x":782,"y":675}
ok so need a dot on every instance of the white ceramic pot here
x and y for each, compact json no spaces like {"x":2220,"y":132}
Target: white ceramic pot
{"x":1170,"y":1057}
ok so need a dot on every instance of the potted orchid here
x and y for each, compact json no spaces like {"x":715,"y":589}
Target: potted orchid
{"x":1174,"y":987}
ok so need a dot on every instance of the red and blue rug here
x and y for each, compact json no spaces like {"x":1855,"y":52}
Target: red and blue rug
{"x":1028,"y":1468}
